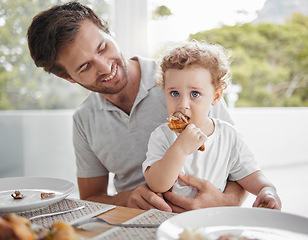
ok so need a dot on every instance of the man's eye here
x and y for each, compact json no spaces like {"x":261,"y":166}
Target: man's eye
{"x":84,"y":68}
{"x":195,"y":94}
{"x":102,"y":48}
{"x":175,"y":94}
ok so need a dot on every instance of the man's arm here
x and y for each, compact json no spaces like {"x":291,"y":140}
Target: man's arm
{"x":95,"y":189}
{"x":234,"y":194}
{"x":208,"y":195}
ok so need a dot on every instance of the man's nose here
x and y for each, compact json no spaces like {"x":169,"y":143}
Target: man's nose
{"x":102,"y":65}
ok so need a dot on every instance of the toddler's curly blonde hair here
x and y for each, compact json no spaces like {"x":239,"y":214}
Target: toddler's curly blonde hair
{"x":193,"y":54}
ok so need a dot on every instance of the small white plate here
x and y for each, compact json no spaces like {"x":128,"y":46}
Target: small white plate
{"x":31,"y":188}
{"x":260,"y":222}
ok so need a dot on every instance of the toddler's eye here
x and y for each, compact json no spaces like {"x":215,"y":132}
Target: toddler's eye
{"x":195,"y":94}
{"x":175,"y":94}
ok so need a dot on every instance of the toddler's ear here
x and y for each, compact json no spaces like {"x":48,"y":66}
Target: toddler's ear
{"x":217,"y":97}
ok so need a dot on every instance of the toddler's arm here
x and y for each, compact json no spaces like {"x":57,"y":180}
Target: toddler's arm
{"x":269,"y":198}
{"x":257,"y":184}
{"x":161,"y":176}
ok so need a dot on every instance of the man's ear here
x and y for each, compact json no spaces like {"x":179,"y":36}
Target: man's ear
{"x":217,"y":97}
{"x":68,"y":78}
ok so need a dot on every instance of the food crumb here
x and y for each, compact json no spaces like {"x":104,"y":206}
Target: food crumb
{"x":46,"y":195}
{"x":17,"y":195}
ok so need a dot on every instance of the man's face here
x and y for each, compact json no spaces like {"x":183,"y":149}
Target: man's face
{"x":94,"y":60}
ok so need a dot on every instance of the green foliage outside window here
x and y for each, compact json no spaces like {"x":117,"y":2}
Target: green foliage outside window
{"x":22,"y":84}
{"x":270,"y":61}
{"x":161,"y":12}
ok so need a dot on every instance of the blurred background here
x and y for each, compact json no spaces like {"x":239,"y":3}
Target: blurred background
{"x":268,"y":98}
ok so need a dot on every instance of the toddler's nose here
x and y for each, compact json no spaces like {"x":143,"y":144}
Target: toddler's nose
{"x":184,"y":104}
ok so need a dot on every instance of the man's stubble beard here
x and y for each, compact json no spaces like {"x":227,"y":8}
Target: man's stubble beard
{"x":122,"y":64}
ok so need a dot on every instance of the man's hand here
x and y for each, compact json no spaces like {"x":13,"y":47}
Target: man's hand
{"x":143,"y":198}
{"x":95,"y":189}
{"x":207,"y":196}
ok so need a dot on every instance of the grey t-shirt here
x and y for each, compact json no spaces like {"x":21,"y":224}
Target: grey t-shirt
{"x":106,"y":139}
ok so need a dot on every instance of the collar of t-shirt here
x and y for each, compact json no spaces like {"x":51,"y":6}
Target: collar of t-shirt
{"x":148,"y":67}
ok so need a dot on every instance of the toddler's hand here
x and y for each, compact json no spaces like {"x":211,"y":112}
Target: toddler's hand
{"x":191,"y":139}
{"x":268,"y":198}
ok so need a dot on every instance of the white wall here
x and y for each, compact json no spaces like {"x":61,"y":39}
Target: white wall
{"x":277,"y":136}
{"x":37,"y":143}
{"x":131,"y":27}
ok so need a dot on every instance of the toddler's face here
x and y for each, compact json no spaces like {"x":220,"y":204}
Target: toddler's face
{"x":191,"y":92}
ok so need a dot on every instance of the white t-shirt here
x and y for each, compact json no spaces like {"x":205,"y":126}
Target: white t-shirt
{"x":106,"y":139}
{"x":226,"y":155}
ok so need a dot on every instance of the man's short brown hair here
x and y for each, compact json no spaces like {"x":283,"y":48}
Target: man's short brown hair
{"x":53,"y":29}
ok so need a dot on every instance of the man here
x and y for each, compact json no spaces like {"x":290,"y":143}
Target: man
{"x":113,"y":125}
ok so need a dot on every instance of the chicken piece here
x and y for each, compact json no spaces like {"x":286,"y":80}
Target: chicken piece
{"x":262,"y":205}
{"x":232,"y":237}
{"x":178,"y":122}
{"x":46,"y":195}
{"x":14,"y":227}
{"x":62,"y":231}
{"x":17,"y":195}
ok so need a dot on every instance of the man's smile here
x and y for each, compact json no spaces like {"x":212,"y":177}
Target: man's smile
{"x":112,"y":75}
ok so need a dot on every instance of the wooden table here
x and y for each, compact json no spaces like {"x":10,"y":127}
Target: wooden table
{"x":117,"y":215}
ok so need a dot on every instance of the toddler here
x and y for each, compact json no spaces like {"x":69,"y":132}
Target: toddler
{"x":193,"y":77}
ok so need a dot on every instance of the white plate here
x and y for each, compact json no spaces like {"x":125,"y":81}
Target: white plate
{"x":31,"y":188}
{"x":259,"y":223}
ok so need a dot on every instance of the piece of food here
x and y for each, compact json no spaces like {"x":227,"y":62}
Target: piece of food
{"x":61,"y":231}
{"x":262,"y":205}
{"x":178,"y":122}
{"x":14,"y":227}
{"x":46,"y":195}
{"x":201,"y":234}
{"x":233,"y":237}
{"x":195,"y":233}
{"x":17,"y":195}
